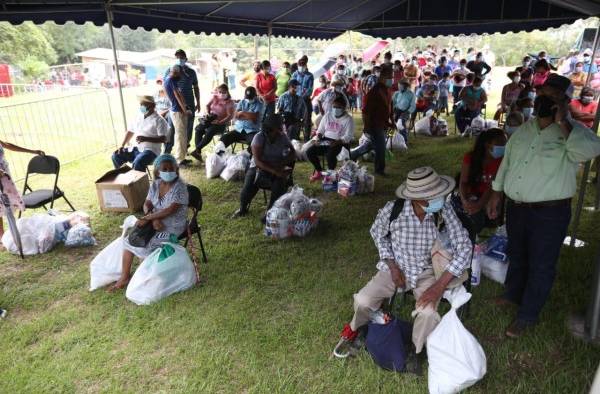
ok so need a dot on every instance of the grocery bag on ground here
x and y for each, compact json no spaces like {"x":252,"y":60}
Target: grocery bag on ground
{"x":235,"y":167}
{"x":106,"y":267}
{"x":165,"y":271}
{"x":493,"y":269}
{"x":365,"y":181}
{"x":423,"y":126}
{"x":396,"y":142}
{"x":456,"y":359}
{"x":292,"y":214}
{"x":388,"y":343}
{"x":214,"y":165}
{"x":344,"y":154}
{"x":38,"y":234}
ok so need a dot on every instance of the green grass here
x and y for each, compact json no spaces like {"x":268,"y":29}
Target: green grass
{"x":269,"y":313}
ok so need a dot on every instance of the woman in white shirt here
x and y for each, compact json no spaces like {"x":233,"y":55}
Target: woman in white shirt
{"x":335,"y":131}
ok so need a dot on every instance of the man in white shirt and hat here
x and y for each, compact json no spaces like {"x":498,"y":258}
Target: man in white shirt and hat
{"x":150,"y":131}
{"x":406,"y":233}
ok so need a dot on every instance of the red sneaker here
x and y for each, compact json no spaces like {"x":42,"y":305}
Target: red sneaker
{"x":345,"y":347}
{"x":316,"y":176}
{"x":348,"y":333}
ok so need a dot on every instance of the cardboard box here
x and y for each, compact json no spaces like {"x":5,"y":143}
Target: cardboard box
{"x":122,"y":190}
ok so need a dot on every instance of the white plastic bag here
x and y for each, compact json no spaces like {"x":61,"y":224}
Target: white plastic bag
{"x":343,"y":155}
{"x":37,"y":233}
{"x":80,"y":235}
{"x":456,"y":359}
{"x":300,"y":154}
{"x":214,"y":165}
{"x":397,"y":143}
{"x":155,"y":280}
{"x":493,"y":269}
{"x":107,"y":265}
{"x":235,"y":168}
{"x":423,"y":126}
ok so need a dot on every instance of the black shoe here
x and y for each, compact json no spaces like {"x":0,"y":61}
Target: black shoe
{"x":238,"y":214}
{"x":518,"y":328}
{"x":263,"y":219}
{"x":197,"y":155}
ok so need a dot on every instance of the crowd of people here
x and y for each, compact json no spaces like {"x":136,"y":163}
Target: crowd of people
{"x":522,"y":172}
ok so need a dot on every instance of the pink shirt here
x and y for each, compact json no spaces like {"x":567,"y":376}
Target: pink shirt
{"x":221,"y":107}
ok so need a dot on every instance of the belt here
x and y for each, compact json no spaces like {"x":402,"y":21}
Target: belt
{"x":542,"y":204}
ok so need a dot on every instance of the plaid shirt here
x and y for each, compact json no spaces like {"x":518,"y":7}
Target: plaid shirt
{"x":411,"y":241}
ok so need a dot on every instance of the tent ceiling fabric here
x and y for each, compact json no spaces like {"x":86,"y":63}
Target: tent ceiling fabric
{"x":321,"y":19}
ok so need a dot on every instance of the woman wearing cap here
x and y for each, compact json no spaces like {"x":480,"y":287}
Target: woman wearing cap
{"x":219,"y":112}
{"x":583,"y":108}
{"x":479,"y":168}
{"x":165,"y":210}
{"x":510,"y":93}
{"x":404,"y":233}
{"x":149,"y":130}
{"x":272,"y":161}
{"x":247,"y":118}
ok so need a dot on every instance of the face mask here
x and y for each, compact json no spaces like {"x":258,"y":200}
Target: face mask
{"x":251,"y":100}
{"x":323,"y":84}
{"x":516,"y":79}
{"x":479,"y":59}
{"x":510,"y":129}
{"x":301,"y":69}
{"x":338,"y":112}
{"x":544,"y":106}
{"x":531,"y":95}
{"x":223,"y":96}
{"x":143,"y":109}
{"x":525,"y":63}
{"x":586,"y":99}
{"x":267,"y":70}
{"x":167,"y":176}
{"x":527,"y":112}
{"x":578,"y":69}
{"x":413,"y":62}
{"x":377,"y":74}
{"x":340,"y":72}
{"x":401,"y":87}
{"x":435,"y":205}
{"x":389,"y":82}
{"x":463,"y":66}
{"x":182,"y":62}
{"x":337,"y":88}
{"x":497,"y":151}
{"x":586,"y":59}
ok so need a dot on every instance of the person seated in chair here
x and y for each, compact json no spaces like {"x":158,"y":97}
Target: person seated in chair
{"x":165,"y":210}
{"x":335,"y":131}
{"x":247,"y":119}
{"x":150,"y":131}
{"x":404,"y":105}
{"x":479,"y":169}
{"x":472,"y":100}
{"x":293,"y":109}
{"x":273,"y":157}
{"x":405,"y":232}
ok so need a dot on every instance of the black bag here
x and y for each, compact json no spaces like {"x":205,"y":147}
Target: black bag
{"x":140,"y":236}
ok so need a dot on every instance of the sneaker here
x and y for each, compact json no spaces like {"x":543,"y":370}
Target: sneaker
{"x":186,"y":162}
{"x":316,"y":176}
{"x":197,"y":155}
{"x":345,"y":347}
{"x":518,"y":328}
{"x":239,"y":213}
{"x":3,"y":313}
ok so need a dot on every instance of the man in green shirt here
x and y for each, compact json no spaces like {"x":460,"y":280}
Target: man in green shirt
{"x":538,"y":178}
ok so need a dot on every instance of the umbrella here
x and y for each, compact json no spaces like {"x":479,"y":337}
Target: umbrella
{"x":10,"y":218}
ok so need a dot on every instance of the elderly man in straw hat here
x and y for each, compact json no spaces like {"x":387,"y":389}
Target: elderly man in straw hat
{"x":406,"y":233}
{"x":150,"y":131}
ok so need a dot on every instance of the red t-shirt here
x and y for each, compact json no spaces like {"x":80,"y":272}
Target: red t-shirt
{"x":317,"y":92}
{"x":488,"y":175}
{"x":265,"y":84}
{"x":591,"y":108}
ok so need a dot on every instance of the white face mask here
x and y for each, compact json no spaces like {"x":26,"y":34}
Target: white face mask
{"x":301,"y":69}
{"x":516,"y":79}
{"x":223,"y":96}
{"x":377,"y":74}
{"x":337,"y":88}
{"x":338,"y":111}
{"x":579,"y":69}
{"x":527,"y":111}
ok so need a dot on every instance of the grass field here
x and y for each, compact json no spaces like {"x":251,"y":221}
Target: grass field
{"x":268,"y":314}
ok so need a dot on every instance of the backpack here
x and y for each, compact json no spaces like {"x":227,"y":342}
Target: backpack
{"x":388,"y":344}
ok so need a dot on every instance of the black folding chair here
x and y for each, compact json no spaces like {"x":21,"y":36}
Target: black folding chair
{"x":193,"y":227}
{"x":45,"y":165}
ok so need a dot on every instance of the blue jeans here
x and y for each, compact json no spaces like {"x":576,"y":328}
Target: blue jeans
{"x":140,"y":160}
{"x":377,"y":144}
{"x":535,"y":236}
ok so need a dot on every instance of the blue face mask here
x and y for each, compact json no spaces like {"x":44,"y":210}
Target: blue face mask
{"x":143,"y":109}
{"x":389,"y":82}
{"x":167,"y":176}
{"x":531,"y":95}
{"x":338,"y":112}
{"x":510,"y":129}
{"x":182,"y":62}
{"x":435,"y":205}
{"x":527,"y":112}
{"x":497,"y":151}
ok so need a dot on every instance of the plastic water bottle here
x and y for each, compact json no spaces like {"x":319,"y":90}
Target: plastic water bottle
{"x":476,"y":265}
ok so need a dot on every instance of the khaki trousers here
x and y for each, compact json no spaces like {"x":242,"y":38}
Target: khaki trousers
{"x":180,"y":142}
{"x":382,"y":287}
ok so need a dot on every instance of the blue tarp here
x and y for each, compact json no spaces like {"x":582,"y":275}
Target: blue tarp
{"x":320,"y":19}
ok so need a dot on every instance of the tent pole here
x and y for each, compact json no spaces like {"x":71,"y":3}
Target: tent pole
{"x":114,"y":48}
{"x":269,"y":34}
{"x":592,"y":318}
{"x":255,"y":47}
{"x":586,"y":170}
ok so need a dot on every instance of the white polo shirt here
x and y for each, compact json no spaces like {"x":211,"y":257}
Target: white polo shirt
{"x":151,"y":126}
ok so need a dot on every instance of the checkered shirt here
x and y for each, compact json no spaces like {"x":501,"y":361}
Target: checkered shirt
{"x":411,"y":241}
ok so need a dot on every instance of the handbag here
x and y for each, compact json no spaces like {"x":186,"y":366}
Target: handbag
{"x":140,"y":236}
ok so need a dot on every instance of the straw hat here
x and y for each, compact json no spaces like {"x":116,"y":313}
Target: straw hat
{"x":424,"y":183}
{"x":146,"y":99}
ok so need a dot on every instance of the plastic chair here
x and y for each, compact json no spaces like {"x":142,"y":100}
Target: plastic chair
{"x":193,"y":227}
{"x":45,"y":165}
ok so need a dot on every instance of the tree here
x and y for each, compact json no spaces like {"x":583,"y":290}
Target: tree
{"x":23,"y":41}
{"x":33,"y":68}
{"x":70,"y":38}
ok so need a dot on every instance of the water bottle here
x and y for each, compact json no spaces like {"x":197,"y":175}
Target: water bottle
{"x":476,"y":265}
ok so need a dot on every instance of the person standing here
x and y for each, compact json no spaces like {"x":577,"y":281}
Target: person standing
{"x":479,"y":67}
{"x":538,"y":177}
{"x":266,"y":85}
{"x":305,"y":88}
{"x":283,"y":78}
{"x":179,"y":113}
{"x":188,"y":84}
{"x":232,"y":74}
{"x":292,"y":109}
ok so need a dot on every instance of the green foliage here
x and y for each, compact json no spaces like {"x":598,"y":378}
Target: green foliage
{"x":22,"y":41}
{"x":71,"y":38}
{"x":33,"y":68}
